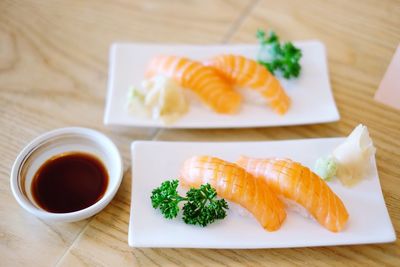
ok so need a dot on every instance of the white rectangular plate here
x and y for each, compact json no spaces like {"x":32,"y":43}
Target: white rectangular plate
{"x":312,"y":100}
{"x":155,"y":162}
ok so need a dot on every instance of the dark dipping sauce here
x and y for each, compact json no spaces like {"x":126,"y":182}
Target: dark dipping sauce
{"x":69,"y":182}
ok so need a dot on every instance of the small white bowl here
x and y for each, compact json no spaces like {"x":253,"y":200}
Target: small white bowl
{"x":59,"y":141}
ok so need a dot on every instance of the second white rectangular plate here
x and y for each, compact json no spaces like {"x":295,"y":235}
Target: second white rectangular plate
{"x":312,"y":100}
{"x":155,"y":162}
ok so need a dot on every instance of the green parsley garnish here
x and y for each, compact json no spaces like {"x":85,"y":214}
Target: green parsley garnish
{"x":278,"y":57}
{"x":201,"y":207}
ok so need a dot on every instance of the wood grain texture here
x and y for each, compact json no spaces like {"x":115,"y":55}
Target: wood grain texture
{"x":53,"y":73}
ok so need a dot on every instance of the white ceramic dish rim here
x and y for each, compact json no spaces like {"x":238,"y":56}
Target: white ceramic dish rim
{"x":328,"y":238}
{"x":111,"y":119}
{"x":71,"y":216}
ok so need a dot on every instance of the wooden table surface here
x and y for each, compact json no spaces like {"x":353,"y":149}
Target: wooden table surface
{"x":53,"y":73}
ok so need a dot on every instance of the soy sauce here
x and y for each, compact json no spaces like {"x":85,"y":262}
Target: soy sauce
{"x":69,"y":182}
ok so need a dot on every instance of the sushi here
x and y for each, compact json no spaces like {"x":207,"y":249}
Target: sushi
{"x":212,"y":89}
{"x":235,"y":184}
{"x":246,"y":72}
{"x":299,"y":184}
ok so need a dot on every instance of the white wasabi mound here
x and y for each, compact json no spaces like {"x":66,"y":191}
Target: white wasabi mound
{"x":326,"y":168}
{"x":159,"y":98}
{"x":351,"y":160}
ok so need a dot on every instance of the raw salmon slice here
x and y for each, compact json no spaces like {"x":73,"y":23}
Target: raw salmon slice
{"x":246,"y":72}
{"x":298,"y":183}
{"x":235,"y":184}
{"x":213,"y":90}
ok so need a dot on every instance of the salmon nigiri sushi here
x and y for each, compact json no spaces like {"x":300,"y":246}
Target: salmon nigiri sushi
{"x":246,"y":72}
{"x":213,"y":90}
{"x":298,"y":183}
{"x":235,"y":184}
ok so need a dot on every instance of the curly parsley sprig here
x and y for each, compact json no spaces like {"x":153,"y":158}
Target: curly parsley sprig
{"x":278,"y":57}
{"x":201,"y":208}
